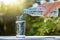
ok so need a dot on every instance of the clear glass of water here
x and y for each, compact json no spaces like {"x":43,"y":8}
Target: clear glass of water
{"x":20,"y":26}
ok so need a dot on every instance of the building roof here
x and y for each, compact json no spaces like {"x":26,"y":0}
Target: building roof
{"x":49,"y":7}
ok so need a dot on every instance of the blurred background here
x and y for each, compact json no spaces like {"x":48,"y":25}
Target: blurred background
{"x":9,"y":9}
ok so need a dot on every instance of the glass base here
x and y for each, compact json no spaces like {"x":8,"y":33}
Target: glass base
{"x":20,"y":36}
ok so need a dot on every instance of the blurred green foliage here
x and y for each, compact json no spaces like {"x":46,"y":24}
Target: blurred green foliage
{"x":38,"y":26}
